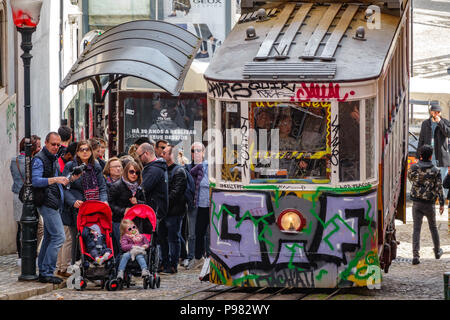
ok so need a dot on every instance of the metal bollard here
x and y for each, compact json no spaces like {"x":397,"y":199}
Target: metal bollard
{"x":446,"y":286}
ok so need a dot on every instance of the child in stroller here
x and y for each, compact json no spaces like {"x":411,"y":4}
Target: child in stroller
{"x":97,"y":216}
{"x":133,"y":246}
{"x":96,"y":243}
{"x":143,"y":223}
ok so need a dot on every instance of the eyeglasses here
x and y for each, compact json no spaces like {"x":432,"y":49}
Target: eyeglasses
{"x":134,"y":172}
{"x":55,"y":144}
{"x":196,"y":150}
{"x":131,"y":228}
{"x":84,"y":150}
{"x":140,"y":155}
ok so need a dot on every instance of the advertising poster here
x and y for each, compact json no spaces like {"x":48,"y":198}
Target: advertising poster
{"x":178,"y":120}
{"x":204,"y":18}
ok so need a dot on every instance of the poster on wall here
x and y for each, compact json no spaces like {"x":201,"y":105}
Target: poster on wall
{"x":204,"y":18}
{"x":178,"y":120}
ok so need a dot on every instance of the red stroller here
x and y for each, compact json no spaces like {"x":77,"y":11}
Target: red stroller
{"x":96,"y":212}
{"x":144,"y":218}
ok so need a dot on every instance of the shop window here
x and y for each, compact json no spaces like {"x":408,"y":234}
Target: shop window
{"x":349,"y":140}
{"x":290,"y":142}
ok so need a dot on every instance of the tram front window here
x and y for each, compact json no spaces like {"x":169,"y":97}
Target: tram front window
{"x":349,"y":155}
{"x":290,"y":142}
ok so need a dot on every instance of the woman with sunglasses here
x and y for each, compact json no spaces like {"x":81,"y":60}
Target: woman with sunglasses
{"x":123,"y":194}
{"x":89,"y":185}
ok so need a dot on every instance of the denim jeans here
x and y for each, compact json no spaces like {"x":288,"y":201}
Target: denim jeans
{"x":192,"y":218}
{"x":419,"y":210}
{"x":52,"y":241}
{"x":140,"y":258}
{"x":170,"y":233}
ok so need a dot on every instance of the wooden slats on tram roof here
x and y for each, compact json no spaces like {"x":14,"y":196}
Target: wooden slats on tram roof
{"x":294,"y":38}
{"x":338,"y":32}
{"x":291,"y":32}
{"x":321,"y":30}
{"x":267,"y":45}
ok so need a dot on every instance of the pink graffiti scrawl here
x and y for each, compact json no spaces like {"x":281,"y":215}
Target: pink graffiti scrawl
{"x":320,"y":92}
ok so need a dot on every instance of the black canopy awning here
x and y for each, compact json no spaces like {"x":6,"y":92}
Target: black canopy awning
{"x":156,"y":51}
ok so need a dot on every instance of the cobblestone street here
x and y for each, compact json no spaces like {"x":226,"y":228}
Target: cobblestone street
{"x":403,"y":282}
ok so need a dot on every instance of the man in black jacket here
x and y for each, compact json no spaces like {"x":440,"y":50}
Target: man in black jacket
{"x":170,"y":228}
{"x":154,"y":180}
{"x":435,"y":131}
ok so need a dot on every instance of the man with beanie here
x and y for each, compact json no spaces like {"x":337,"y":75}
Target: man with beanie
{"x":435,"y":131}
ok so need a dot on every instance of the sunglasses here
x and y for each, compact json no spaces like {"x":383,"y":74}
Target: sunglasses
{"x":134,"y":172}
{"x":196,"y":150}
{"x":131,"y":228}
{"x":84,"y":150}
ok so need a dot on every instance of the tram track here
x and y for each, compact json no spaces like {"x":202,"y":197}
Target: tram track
{"x":219,"y":292}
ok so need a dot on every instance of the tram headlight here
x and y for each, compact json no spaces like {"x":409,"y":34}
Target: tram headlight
{"x":291,"y":221}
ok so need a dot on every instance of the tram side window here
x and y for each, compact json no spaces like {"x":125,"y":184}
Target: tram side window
{"x":290,"y":142}
{"x":231,"y":135}
{"x":370,"y":138}
{"x":349,"y":155}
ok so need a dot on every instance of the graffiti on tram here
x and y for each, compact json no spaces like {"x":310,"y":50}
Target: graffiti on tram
{"x":336,"y":247}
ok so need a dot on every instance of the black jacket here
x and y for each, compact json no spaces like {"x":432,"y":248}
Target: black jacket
{"x":119,"y":199}
{"x":441,"y":134}
{"x":52,"y":192}
{"x":177,"y":187}
{"x":155,"y":184}
{"x":75,"y":192}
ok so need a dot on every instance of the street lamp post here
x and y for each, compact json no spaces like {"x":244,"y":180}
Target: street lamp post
{"x":26,"y":18}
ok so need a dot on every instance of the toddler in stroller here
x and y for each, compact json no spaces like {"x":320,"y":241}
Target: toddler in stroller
{"x":138,"y":245}
{"x":94,"y":225}
{"x":133,"y":246}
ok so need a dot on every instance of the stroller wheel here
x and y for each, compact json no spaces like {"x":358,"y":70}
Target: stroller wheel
{"x":83,"y":284}
{"x":147,"y":282}
{"x":107,"y":285}
{"x":113,"y":285}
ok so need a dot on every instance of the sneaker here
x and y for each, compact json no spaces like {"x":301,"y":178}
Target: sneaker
{"x":439,"y":253}
{"x":54,"y":280}
{"x":190,"y":264}
{"x":415,"y":261}
{"x":145,"y":273}
{"x":120,"y":274}
{"x":185,"y":263}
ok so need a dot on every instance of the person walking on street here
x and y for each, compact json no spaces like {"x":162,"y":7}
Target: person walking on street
{"x":170,"y":227}
{"x":426,"y":188}
{"x":45,"y":175}
{"x":123,"y":194}
{"x":435,"y":131}
{"x":200,"y":175}
{"x":17,"y":169}
{"x":89,"y":185}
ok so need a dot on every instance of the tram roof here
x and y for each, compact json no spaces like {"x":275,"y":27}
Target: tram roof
{"x":305,"y":42}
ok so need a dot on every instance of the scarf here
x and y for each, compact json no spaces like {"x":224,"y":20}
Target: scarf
{"x":90,"y":183}
{"x":133,"y":186}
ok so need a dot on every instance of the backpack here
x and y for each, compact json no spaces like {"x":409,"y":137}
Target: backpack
{"x":189,"y":194}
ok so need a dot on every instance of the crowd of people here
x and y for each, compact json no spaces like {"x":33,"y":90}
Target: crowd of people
{"x":149,"y":173}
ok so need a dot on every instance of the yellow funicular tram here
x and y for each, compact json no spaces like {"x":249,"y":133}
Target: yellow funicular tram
{"x":308,"y":120}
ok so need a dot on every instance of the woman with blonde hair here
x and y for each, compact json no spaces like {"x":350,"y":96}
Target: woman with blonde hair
{"x":123,"y":194}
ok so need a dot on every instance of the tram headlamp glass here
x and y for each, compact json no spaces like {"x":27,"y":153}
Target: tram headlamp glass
{"x":291,"y":220}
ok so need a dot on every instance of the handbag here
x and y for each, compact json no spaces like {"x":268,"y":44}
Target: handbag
{"x":38,"y":193}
